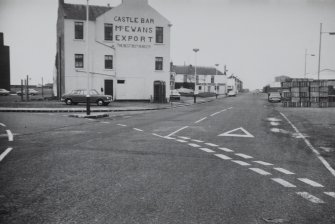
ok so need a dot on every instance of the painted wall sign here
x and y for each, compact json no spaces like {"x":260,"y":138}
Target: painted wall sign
{"x":134,"y":32}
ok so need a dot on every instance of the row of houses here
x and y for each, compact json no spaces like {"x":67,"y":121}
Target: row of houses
{"x":124,"y":51}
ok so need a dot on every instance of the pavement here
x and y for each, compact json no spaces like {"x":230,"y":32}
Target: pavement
{"x":39,"y":106}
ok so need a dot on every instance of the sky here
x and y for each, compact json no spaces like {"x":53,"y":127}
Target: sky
{"x":256,"y":39}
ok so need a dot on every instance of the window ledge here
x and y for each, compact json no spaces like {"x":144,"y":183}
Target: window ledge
{"x":159,"y":44}
{"x":79,"y":40}
{"x":159,"y":70}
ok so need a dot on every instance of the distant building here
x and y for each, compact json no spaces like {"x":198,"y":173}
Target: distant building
{"x":281,"y":78}
{"x":235,"y":84}
{"x":129,"y":50}
{"x":4,"y":64}
{"x":208,"y":79}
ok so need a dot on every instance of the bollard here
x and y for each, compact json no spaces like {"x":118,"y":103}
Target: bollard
{"x":88,"y":106}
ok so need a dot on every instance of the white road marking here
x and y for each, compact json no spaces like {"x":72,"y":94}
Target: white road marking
{"x":274,"y":123}
{"x":283,"y":182}
{"x":310,"y":182}
{"x":324,"y":162}
{"x":177,"y":131}
{"x":122,"y":125}
{"x":198,"y":121}
{"x":2,"y":156}
{"x":310,"y":197}
{"x":215,"y":113}
{"x":206,"y":150}
{"x":226,"y":150}
{"x":241,"y":162}
{"x":3,"y":125}
{"x":182,"y":141}
{"x":245,"y":134}
{"x":105,"y":122}
{"x":278,"y":130}
{"x":260,"y":171}
{"x":195,"y":140}
{"x":184,"y":137}
{"x":137,"y":129}
{"x":327,"y":149}
{"x":283,"y":170}
{"x":263,"y":163}
{"x":211,"y":144}
{"x":158,"y":135}
{"x":230,"y":108}
{"x":10,"y":135}
{"x":194,"y":145}
{"x":331,"y":194}
{"x":273,"y":119}
{"x":244,"y":155}
{"x":169,"y":138}
{"x":90,"y":119}
{"x":222,"y":156}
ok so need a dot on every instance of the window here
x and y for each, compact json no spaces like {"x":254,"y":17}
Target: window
{"x":159,"y":35}
{"x":108,"y":61}
{"x":212,"y":79}
{"x":79,"y":60}
{"x":159,"y":63}
{"x":199,"y":87}
{"x":120,"y":81}
{"x":108,"y":31}
{"x":78,"y":30}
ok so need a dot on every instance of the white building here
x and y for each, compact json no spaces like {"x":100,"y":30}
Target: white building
{"x":208,"y":79}
{"x":234,"y":84}
{"x":129,"y":49}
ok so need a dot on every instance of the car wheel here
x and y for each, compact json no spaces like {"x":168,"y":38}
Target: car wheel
{"x":68,"y":101}
{"x":100,"y":102}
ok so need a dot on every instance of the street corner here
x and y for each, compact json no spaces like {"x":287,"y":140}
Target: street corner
{"x":92,"y":116}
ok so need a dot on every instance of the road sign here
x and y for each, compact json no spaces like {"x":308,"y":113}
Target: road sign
{"x":238,"y":132}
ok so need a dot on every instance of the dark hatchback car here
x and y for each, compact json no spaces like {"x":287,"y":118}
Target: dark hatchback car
{"x":79,"y":96}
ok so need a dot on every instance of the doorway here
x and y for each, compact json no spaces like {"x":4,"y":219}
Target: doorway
{"x":109,"y":87}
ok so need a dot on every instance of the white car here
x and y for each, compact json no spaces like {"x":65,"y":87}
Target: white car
{"x":175,"y":95}
{"x":30,"y":92}
{"x":4,"y":92}
{"x":231,"y":93}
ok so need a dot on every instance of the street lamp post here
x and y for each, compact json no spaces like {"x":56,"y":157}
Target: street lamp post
{"x":216,"y":78}
{"x":195,"y":74}
{"x":330,"y":33}
{"x":306,"y":60}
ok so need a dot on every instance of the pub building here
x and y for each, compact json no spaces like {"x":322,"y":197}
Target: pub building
{"x":129,"y":50}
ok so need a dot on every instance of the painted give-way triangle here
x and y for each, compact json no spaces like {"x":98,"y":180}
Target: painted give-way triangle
{"x":239,"y":132}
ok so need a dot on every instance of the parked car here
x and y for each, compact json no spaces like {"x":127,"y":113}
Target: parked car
{"x":4,"y":92}
{"x":79,"y":96}
{"x":274,"y":97}
{"x":185,"y":91}
{"x":32,"y":92}
{"x":175,"y":95}
{"x":232,"y":93}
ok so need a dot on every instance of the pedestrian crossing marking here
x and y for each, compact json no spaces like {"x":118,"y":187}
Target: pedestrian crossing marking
{"x":245,"y":134}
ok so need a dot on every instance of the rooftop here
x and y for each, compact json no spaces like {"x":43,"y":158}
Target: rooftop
{"x":78,"y":12}
{"x":201,"y":70}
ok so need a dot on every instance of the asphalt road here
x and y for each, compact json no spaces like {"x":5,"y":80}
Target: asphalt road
{"x":233,"y":160}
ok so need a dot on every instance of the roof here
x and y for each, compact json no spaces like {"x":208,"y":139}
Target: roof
{"x":78,"y":12}
{"x":190,"y":70}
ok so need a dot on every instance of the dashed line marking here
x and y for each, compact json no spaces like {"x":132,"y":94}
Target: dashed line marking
{"x":310,"y":197}
{"x":137,"y":129}
{"x":331,"y":194}
{"x":222,"y":156}
{"x":263,"y":163}
{"x":10,"y":135}
{"x":324,"y":162}
{"x":226,"y":150}
{"x":310,"y":182}
{"x":283,"y":182}
{"x":182,"y":141}
{"x":284,"y":171}
{"x":105,"y":122}
{"x":211,"y":144}
{"x":260,"y":171}
{"x":198,"y":121}
{"x":122,"y":125}
{"x":230,"y":108}
{"x":206,"y":150}
{"x":3,"y":125}
{"x":244,"y":155}
{"x":2,"y":156}
{"x":169,"y":138}
{"x":215,"y":113}
{"x":194,"y":145}
{"x":184,"y":137}
{"x":89,"y":119}
{"x":158,"y":135}
{"x":241,"y":162}
{"x":177,"y":131}
{"x":195,"y":140}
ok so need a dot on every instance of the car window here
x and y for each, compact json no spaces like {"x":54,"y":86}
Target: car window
{"x":93,"y":92}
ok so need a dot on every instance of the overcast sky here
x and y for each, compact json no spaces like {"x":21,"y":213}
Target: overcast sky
{"x":256,"y":39}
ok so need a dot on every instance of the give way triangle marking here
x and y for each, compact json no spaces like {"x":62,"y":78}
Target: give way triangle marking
{"x":245,"y":133}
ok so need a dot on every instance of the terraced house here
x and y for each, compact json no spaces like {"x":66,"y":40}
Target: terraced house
{"x":127,"y":51}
